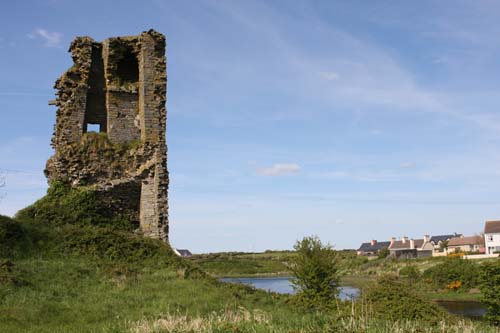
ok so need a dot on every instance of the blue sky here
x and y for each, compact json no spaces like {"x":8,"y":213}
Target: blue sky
{"x":350,"y":120}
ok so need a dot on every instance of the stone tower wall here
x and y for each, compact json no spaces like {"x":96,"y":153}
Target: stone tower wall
{"x":120,"y":86}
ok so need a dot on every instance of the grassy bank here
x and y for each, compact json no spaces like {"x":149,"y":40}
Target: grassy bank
{"x":87,"y":273}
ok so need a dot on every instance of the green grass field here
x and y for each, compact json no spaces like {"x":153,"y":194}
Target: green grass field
{"x":237,"y":264}
{"x":66,"y":269}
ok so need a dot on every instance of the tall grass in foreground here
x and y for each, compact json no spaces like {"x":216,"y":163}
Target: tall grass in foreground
{"x":243,"y":320}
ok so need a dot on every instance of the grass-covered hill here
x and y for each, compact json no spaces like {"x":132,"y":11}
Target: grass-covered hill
{"x":68,"y":265}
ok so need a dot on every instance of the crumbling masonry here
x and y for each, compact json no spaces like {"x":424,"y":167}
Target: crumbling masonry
{"x":117,"y":87}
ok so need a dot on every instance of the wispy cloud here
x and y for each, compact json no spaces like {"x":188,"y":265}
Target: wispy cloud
{"x":49,"y":38}
{"x":329,"y":75}
{"x":279,"y":169}
{"x":407,"y":165}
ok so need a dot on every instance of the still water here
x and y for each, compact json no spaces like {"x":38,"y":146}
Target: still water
{"x":282,"y":285}
{"x":470,"y":309}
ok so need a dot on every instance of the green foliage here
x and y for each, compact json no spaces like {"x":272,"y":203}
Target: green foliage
{"x":489,"y":284}
{"x":452,"y":270}
{"x":13,"y":238}
{"x":65,"y":205}
{"x":120,"y":247}
{"x":410,"y":272}
{"x":71,"y":269}
{"x":384,"y":253}
{"x":443,"y":245}
{"x":394,"y":299}
{"x":234,"y":264}
{"x":315,"y":274}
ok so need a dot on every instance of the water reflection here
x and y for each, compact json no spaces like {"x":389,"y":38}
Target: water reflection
{"x":282,"y":285}
{"x":470,"y":309}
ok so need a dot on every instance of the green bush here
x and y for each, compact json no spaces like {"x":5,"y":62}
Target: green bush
{"x":396,"y":300}
{"x":452,"y":270}
{"x":489,"y":284}
{"x":410,"y":272}
{"x":315,"y":274}
{"x":384,"y":253}
{"x":13,"y":238}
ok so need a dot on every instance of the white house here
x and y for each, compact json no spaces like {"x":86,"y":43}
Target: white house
{"x":492,"y":236}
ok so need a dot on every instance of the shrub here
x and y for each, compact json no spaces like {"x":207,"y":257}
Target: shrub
{"x":384,"y":253}
{"x":315,"y":272}
{"x":13,"y":238}
{"x":410,"y":272}
{"x":395,"y":300}
{"x":489,"y":284}
{"x":451,"y":270}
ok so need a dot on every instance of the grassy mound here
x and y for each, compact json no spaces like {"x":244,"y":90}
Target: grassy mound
{"x":64,"y":205}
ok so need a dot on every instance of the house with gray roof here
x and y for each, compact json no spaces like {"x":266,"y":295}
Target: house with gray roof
{"x":440,"y":242}
{"x":372,"y":248}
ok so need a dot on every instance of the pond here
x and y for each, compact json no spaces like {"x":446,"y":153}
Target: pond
{"x":469,"y":309}
{"x":282,"y":285}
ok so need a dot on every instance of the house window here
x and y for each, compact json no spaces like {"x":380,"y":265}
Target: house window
{"x":490,"y":238}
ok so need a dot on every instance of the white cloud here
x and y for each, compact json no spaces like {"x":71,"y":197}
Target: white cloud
{"x":329,"y":75}
{"x":280,"y":169}
{"x":407,"y":165}
{"x":50,"y":38}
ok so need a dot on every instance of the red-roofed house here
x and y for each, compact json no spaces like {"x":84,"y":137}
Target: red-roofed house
{"x":411,"y":248}
{"x":466,"y":244}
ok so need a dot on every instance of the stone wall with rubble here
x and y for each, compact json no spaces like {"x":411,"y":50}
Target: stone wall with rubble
{"x":119,"y":88}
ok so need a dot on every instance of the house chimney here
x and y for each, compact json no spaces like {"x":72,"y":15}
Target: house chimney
{"x":412,"y":244}
{"x":393,"y":240}
{"x":427,"y":238}
{"x":404,"y":240}
{"x":373,"y":242}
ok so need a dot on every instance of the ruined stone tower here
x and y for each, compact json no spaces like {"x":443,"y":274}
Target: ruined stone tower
{"x":118,"y":89}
